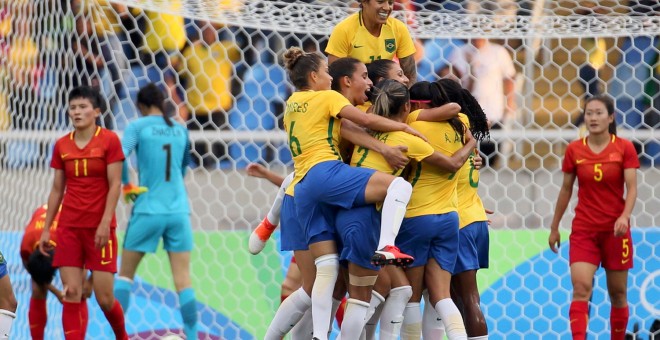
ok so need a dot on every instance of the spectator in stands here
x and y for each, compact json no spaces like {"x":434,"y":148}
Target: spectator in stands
{"x":207,"y":66}
{"x":164,"y":36}
{"x":487,"y":71}
{"x":634,"y":69}
{"x":21,"y":66}
{"x":102,"y":27}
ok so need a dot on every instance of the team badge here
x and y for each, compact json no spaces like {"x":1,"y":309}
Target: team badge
{"x":390,"y":45}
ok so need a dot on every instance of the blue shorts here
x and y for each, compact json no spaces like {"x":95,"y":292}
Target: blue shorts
{"x":144,"y":231}
{"x":292,"y":233}
{"x":330,"y":183}
{"x":472,"y":247}
{"x":358,"y":230}
{"x":430,"y":236}
{"x":3,"y":266}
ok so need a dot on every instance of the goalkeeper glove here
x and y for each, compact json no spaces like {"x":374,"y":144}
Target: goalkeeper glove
{"x":131,"y":192}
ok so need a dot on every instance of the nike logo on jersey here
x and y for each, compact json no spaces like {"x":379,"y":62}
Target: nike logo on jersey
{"x":624,"y":261}
{"x":357,"y":46}
{"x":579,"y":161}
{"x":64,"y":155}
{"x":105,"y":262}
{"x":395,"y":322}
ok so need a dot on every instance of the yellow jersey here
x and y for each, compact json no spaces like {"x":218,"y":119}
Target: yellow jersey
{"x":470,"y":207}
{"x":418,"y":149}
{"x":209,"y":70}
{"x":165,"y":31}
{"x":351,"y":39}
{"x":434,"y":189}
{"x":312,"y":127}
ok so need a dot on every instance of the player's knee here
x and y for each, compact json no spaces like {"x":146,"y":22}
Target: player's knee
{"x":618,"y":297}
{"x":289,"y":286}
{"x":105,"y":300}
{"x":581,"y":290}
{"x":73,"y":293}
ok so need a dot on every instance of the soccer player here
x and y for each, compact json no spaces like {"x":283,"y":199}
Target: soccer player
{"x":430,"y":229}
{"x":357,"y":226}
{"x":163,"y":210}
{"x":473,"y":233}
{"x":372,"y":34}
{"x":604,"y":165}
{"x":7,"y":301}
{"x":87,"y":183}
{"x":293,"y":235}
{"x":41,"y":272}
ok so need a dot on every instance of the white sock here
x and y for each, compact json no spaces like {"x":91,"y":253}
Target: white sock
{"x":288,"y":314}
{"x":327,"y":270}
{"x":432,"y":326}
{"x":481,"y":337}
{"x":451,"y":318}
{"x":303,"y":329}
{"x":394,"y":209}
{"x":412,"y":322}
{"x":6,"y":319}
{"x":391,"y":318}
{"x":373,"y":315}
{"x":354,"y":319}
{"x":274,"y":212}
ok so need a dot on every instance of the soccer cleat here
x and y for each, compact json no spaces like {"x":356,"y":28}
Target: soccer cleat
{"x":260,"y":236}
{"x":391,"y":255}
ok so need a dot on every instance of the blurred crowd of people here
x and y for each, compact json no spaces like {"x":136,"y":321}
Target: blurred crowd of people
{"x":221,"y":77}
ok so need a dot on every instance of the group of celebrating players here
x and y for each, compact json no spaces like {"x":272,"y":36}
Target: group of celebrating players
{"x":386,"y":229}
{"x":382,"y":203}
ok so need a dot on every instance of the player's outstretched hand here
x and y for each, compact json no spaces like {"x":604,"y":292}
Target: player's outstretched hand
{"x":554,"y":241}
{"x":45,"y":246}
{"x":256,"y":170}
{"x":131,"y":192}
{"x":621,"y":226}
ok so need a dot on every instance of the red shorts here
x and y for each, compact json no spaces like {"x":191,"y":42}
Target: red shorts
{"x":601,"y":248}
{"x":75,"y":248}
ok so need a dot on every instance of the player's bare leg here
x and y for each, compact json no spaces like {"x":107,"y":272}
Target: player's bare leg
{"x":464,"y":285}
{"x":438,"y":284}
{"x":130,"y":260}
{"x":582,"y":275}
{"x":617,"y":288}
{"x":103,"y":284}
{"x":180,"y":263}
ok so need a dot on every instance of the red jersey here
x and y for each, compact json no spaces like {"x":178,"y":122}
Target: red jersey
{"x":33,"y":232}
{"x":600,"y":181}
{"x":86,"y":177}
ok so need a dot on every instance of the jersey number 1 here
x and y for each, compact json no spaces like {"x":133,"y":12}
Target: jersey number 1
{"x":168,"y":161}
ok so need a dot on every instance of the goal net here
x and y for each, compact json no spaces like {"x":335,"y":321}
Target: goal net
{"x":562,"y":51}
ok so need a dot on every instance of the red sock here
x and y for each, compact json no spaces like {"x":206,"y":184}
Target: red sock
{"x":619,"y":322}
{"x":578,"y":314}
{"x":71,"y":321}
{"x":84,"y":315}
{"x":37,"y":316}
{"x":115,"y":317}
{"x":340,"y":312}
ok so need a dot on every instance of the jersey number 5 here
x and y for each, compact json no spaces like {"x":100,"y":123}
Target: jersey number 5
{"x":598,"y":172}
